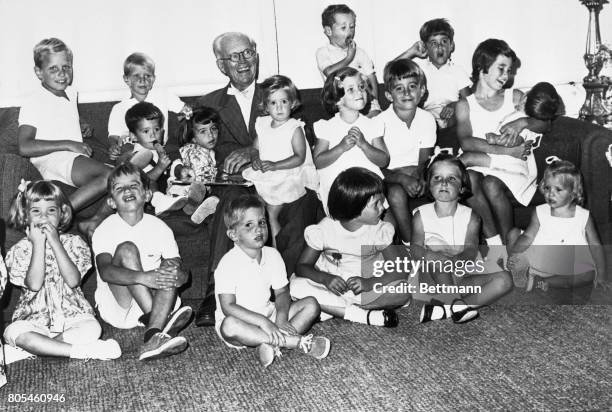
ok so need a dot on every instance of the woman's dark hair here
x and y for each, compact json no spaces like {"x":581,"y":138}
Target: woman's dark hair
{"x":485,"y":55}
{"x":543,"y":102}
{"x":351,"y":191}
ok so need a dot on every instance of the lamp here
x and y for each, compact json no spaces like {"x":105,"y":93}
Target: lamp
{"x":593,"y":109}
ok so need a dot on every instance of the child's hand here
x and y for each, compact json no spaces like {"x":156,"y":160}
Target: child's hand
{"x":336,"y":284}
{"x":86,"y":130}
{"x":347,"y":142}
{"x":267,"y":166}
{"x":51,"y":233}
{"x":351,"y":49}
{"x":187,"y":174}
{"x":511,"y":130}
{"x":518,"y":263}
{"x":412,"y":186}
{"x":358,"y":284}
{"x":418,"y":49}
{"x":164,"y":161}
{"x":81,"y":148}
{"x":492,"y":138}
{"x":160,"y":278}
{"x":35,"y":234}
{"x":360,"y":141}
{"x":114,"y":151}
{"x":275,"y":336}
{"x":448,"y":111}
{"x":521,"y":151}
{"x":286,"y":328}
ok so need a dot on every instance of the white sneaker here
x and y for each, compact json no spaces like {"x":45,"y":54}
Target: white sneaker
{"x":207,"y":208}
{"x":104,"y":349}
{"x":164,"y":203}
{"x":13,"y":354}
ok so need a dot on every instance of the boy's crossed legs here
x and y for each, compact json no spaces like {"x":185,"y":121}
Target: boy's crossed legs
{"x":156,"y":303}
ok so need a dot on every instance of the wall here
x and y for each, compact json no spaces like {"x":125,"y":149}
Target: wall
{"x":548,"y":35}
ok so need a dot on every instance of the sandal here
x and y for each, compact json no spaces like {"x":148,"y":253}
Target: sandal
{"x":390,"y":317}
{"x":427,"y":311}
{"x":465,"y":315}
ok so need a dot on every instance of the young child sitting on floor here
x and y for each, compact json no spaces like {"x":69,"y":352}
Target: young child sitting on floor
{"x":560,"y":247}
{"x":336,"y":265}
{"x":446,"y":81}
{"x":50,"y":134}
{"x":145,"y":123}
{"x":139,"y":76}
{"x":349,"y":139}
{"x":339,"y":27}
{"x":410,"y":135}
{"x":282,"y":166}
{"x":52,"y":318}
{"x":139,"y":268}
{"x":198,"y":135}
{"x":245,"y":315}
{"x":446,"y":231}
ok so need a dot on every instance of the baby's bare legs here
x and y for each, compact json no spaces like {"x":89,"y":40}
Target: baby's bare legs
{"x":470,"y":159}
{"x":398,"y":201}
{"x":273,"y":212}
{"x":90,"y":177}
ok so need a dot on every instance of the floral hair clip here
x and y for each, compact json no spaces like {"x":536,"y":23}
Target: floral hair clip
{"x":23,"y":186}
{"x":552,"y":159}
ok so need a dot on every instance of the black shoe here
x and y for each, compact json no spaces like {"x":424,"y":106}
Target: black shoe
{"x":465,"y":315}
{"x":427,"y":311}
{"x":390,"y":317}
{"x":205,"y":316}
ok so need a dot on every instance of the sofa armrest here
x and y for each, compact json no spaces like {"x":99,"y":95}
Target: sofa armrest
{"x":597,"y":174}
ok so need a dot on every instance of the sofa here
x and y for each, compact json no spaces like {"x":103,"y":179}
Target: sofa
{"x":583,"y":143}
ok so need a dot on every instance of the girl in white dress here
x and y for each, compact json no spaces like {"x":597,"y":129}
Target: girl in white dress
{"x":560,"y":245}
{"x":282,"y":166}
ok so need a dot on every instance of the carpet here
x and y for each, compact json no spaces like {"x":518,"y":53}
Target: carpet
{"x":511,"y":358}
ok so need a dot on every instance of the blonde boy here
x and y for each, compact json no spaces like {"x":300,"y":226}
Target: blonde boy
{"x":245,"y":315}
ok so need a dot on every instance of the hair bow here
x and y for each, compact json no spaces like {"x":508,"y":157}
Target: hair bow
{"x":437,"y":152}
{"x":551,"y":159}
{"x":23,"y":186}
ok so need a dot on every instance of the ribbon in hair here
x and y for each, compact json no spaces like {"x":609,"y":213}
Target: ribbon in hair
{"x":552,"y":159}
{"x":437,"y":152}
{"x":23,"y":186}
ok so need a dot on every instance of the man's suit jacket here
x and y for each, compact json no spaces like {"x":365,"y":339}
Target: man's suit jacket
{"x":233,"y":132}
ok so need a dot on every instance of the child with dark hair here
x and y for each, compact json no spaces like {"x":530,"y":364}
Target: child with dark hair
{"x":245,"y":315}
{"x":338,"y":22}
{"x":542,"y":102}
{"x":446,"y":231}
{"x":446,"y":82}
{"x":337,"y":264}
{"x":560,"y":247}
{"x":282,"y":166}
{"x":349,"y":139}
{"x":52,"y":318}
{"x":139,"y":268}
{"x":410,"y":135}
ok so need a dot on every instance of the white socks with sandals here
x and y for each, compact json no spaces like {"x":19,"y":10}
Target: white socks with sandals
{"x":356,"y":314}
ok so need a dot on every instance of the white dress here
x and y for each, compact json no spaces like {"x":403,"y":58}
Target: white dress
{"x":445,"y":234}
{"x":287,"y":185}
{"x":522,"y":185}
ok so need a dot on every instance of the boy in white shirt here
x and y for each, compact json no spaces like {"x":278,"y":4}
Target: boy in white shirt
{"x":410,"y":135}
{"x":245,"y":315}
{"x":339,"y":26}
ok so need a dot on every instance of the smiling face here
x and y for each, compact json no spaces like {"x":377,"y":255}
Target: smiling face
{"x":205,"y":135}
{"x":55,"y":72}
{"x":278,"y":105}
{"x":405,"y":93}
{"x":355,"y":93}
{"x":44,"y":211}
{"x":140,"y":81}
{"x":342,"y":32}
{"x":149,"y":131}
{"x":498,"y":74}
{"x":251,"y":232}
{"x":557,"y":193}
{"x":128,"y":194}
{"x":243,"y":72}
{"x":445,"y":182}
{"x":439,"y":48}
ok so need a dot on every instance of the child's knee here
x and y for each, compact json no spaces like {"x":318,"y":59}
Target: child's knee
{"x":126,"y":251}
{"x":84,"y":332}
{"x":230,"y":327}
{"x":492,"y":186}
{"x":311,"y":305}
{"x":396,"y":195}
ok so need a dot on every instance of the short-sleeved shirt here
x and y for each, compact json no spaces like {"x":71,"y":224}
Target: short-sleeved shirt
{"x":164,"y":100}
{"x":56,"y":300}
{"x":331,"y":54}
{"x":152,"y":237}
{"x":54,"y":117}
{"x":443,"y":84}
{"x":345,"y":253}
{"x":404,"y":142}
{"x":239,"y":274}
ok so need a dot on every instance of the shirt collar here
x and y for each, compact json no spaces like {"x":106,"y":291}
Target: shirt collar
{"x":249,"y":259}
{"x":448,"y":63}
{"x":248,"y":92}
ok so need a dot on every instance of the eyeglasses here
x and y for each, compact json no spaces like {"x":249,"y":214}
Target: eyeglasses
{"x":246,"y":54}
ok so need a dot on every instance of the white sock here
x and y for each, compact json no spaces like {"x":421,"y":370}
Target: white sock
{"x":494,"y":241}
{"x":79,"y":351}
{"x":356,"y":314}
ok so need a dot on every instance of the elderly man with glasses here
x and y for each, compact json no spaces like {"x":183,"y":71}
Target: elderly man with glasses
{"x":237,"y":104}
